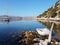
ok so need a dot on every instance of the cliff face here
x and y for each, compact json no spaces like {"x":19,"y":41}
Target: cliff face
{"x":52,"y":12}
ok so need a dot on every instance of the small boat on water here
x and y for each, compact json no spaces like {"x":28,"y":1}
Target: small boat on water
{"x":43,"y":31}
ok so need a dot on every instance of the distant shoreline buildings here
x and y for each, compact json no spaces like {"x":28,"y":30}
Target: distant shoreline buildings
{"x":10,"y":18}
{"x":15,"y":18}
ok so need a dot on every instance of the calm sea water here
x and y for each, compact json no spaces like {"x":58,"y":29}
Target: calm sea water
{"x":7,"y":29}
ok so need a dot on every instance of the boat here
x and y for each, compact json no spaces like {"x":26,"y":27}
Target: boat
{"x":43,"y":31}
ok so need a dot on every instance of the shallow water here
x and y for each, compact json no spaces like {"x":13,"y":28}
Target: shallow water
{"x":7,"y":29}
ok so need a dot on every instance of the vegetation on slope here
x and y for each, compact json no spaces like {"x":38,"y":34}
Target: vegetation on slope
{"x":52,"y":12}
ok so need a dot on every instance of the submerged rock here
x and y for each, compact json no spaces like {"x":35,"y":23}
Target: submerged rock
{"x":32,"y":38}
{"x":27,"y":37}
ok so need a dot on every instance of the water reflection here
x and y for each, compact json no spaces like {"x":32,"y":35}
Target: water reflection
{"x":7,"y":22}
{"x":11,"y":32}
{"x":56,"y":28}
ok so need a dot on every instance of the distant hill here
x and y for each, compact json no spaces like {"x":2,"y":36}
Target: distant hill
{"x":52,"y":12}
{"x":12,"y":18}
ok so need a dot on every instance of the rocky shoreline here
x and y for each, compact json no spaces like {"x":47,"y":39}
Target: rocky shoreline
{"x":49,"y":19}
{"x":32,"y":38}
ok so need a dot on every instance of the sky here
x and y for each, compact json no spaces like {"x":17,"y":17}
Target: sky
{"x":24,"y":7}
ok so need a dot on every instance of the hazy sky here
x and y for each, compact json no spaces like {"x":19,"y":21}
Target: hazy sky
{"x":24,"y":7}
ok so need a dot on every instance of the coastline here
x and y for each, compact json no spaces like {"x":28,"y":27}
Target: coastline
{"x":49,"y":19}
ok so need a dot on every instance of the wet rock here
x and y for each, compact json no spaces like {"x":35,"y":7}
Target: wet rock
{"x":36,"y":40}
{"x":27,"y":37}
{"x":32,"y":37}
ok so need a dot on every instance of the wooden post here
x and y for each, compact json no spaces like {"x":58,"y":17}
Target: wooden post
{"x":50,"y":34}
